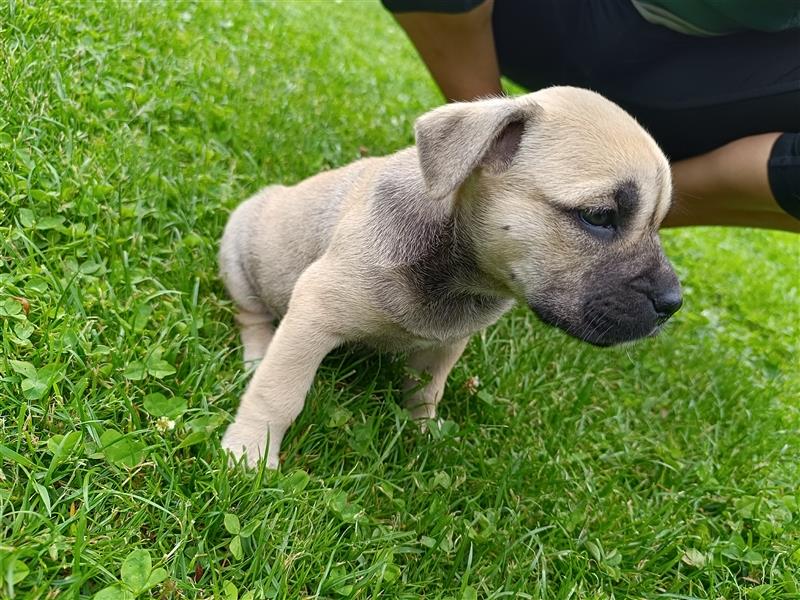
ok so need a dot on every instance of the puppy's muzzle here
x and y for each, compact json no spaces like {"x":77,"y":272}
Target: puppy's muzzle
{"x":627,"y":312}
{"x":618,"y":311}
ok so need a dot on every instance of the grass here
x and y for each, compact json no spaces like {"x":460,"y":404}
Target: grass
{"x":668,"y":469}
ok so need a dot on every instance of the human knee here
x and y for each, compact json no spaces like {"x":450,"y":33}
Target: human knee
{"x":783,"y":170}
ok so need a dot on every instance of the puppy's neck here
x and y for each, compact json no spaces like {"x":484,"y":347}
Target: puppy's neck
{"x":431,"y":240}
{"x":468,"y":214}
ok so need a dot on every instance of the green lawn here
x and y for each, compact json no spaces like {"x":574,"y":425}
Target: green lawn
{"x":128,"y":132}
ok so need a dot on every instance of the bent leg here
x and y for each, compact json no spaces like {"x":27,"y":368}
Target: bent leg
{"x":729,"y":186}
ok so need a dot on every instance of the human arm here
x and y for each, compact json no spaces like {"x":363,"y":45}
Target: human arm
{"x":458,"y":49}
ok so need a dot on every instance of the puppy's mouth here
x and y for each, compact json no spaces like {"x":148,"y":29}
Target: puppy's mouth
{"x":602,"y":330}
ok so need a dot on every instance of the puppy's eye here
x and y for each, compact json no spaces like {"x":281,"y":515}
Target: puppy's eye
{"x":606,"y":219}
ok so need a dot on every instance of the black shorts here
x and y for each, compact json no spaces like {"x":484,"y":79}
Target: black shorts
{"x":692,"y":93}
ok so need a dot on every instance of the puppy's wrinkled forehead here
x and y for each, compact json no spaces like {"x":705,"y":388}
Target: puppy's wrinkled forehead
{"x":585,"y":149}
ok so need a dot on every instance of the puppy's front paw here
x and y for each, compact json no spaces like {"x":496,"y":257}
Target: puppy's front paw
{"x":420,"y":412}
{"x":425,"y":425}
{"x":249,"y":439}
{"x":423,"y":415}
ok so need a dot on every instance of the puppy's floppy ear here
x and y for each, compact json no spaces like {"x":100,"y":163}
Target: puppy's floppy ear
{"x":453,"y":140}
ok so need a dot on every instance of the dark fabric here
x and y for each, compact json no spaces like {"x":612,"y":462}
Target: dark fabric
{"x":440,"y":6}
{"x":693,"y":94}
{"x":723,"y":16}
{"x":784,"y":172}
{"x":720,"y":16}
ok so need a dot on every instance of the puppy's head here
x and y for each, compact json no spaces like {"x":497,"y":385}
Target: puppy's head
{"x":561,"y":193}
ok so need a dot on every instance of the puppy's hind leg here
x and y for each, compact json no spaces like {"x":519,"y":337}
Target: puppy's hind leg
{"x":256,"y":331}
{"x":254,"y":320}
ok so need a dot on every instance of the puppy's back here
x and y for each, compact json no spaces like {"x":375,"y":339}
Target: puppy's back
{"x":273,"y":236}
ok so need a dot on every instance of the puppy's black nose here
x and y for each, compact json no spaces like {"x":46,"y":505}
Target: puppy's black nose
{"x":667,"y":302}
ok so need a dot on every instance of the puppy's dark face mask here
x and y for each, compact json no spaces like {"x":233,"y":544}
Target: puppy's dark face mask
{"x":621,"y":297}
{"x":621,"y":287}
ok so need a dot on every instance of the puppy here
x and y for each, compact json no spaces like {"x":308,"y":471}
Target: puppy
{"x":553,"y":199}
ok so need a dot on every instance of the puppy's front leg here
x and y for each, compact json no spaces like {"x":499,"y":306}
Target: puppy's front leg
{"x":436,"y":362}
{"x":276,"y":394}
